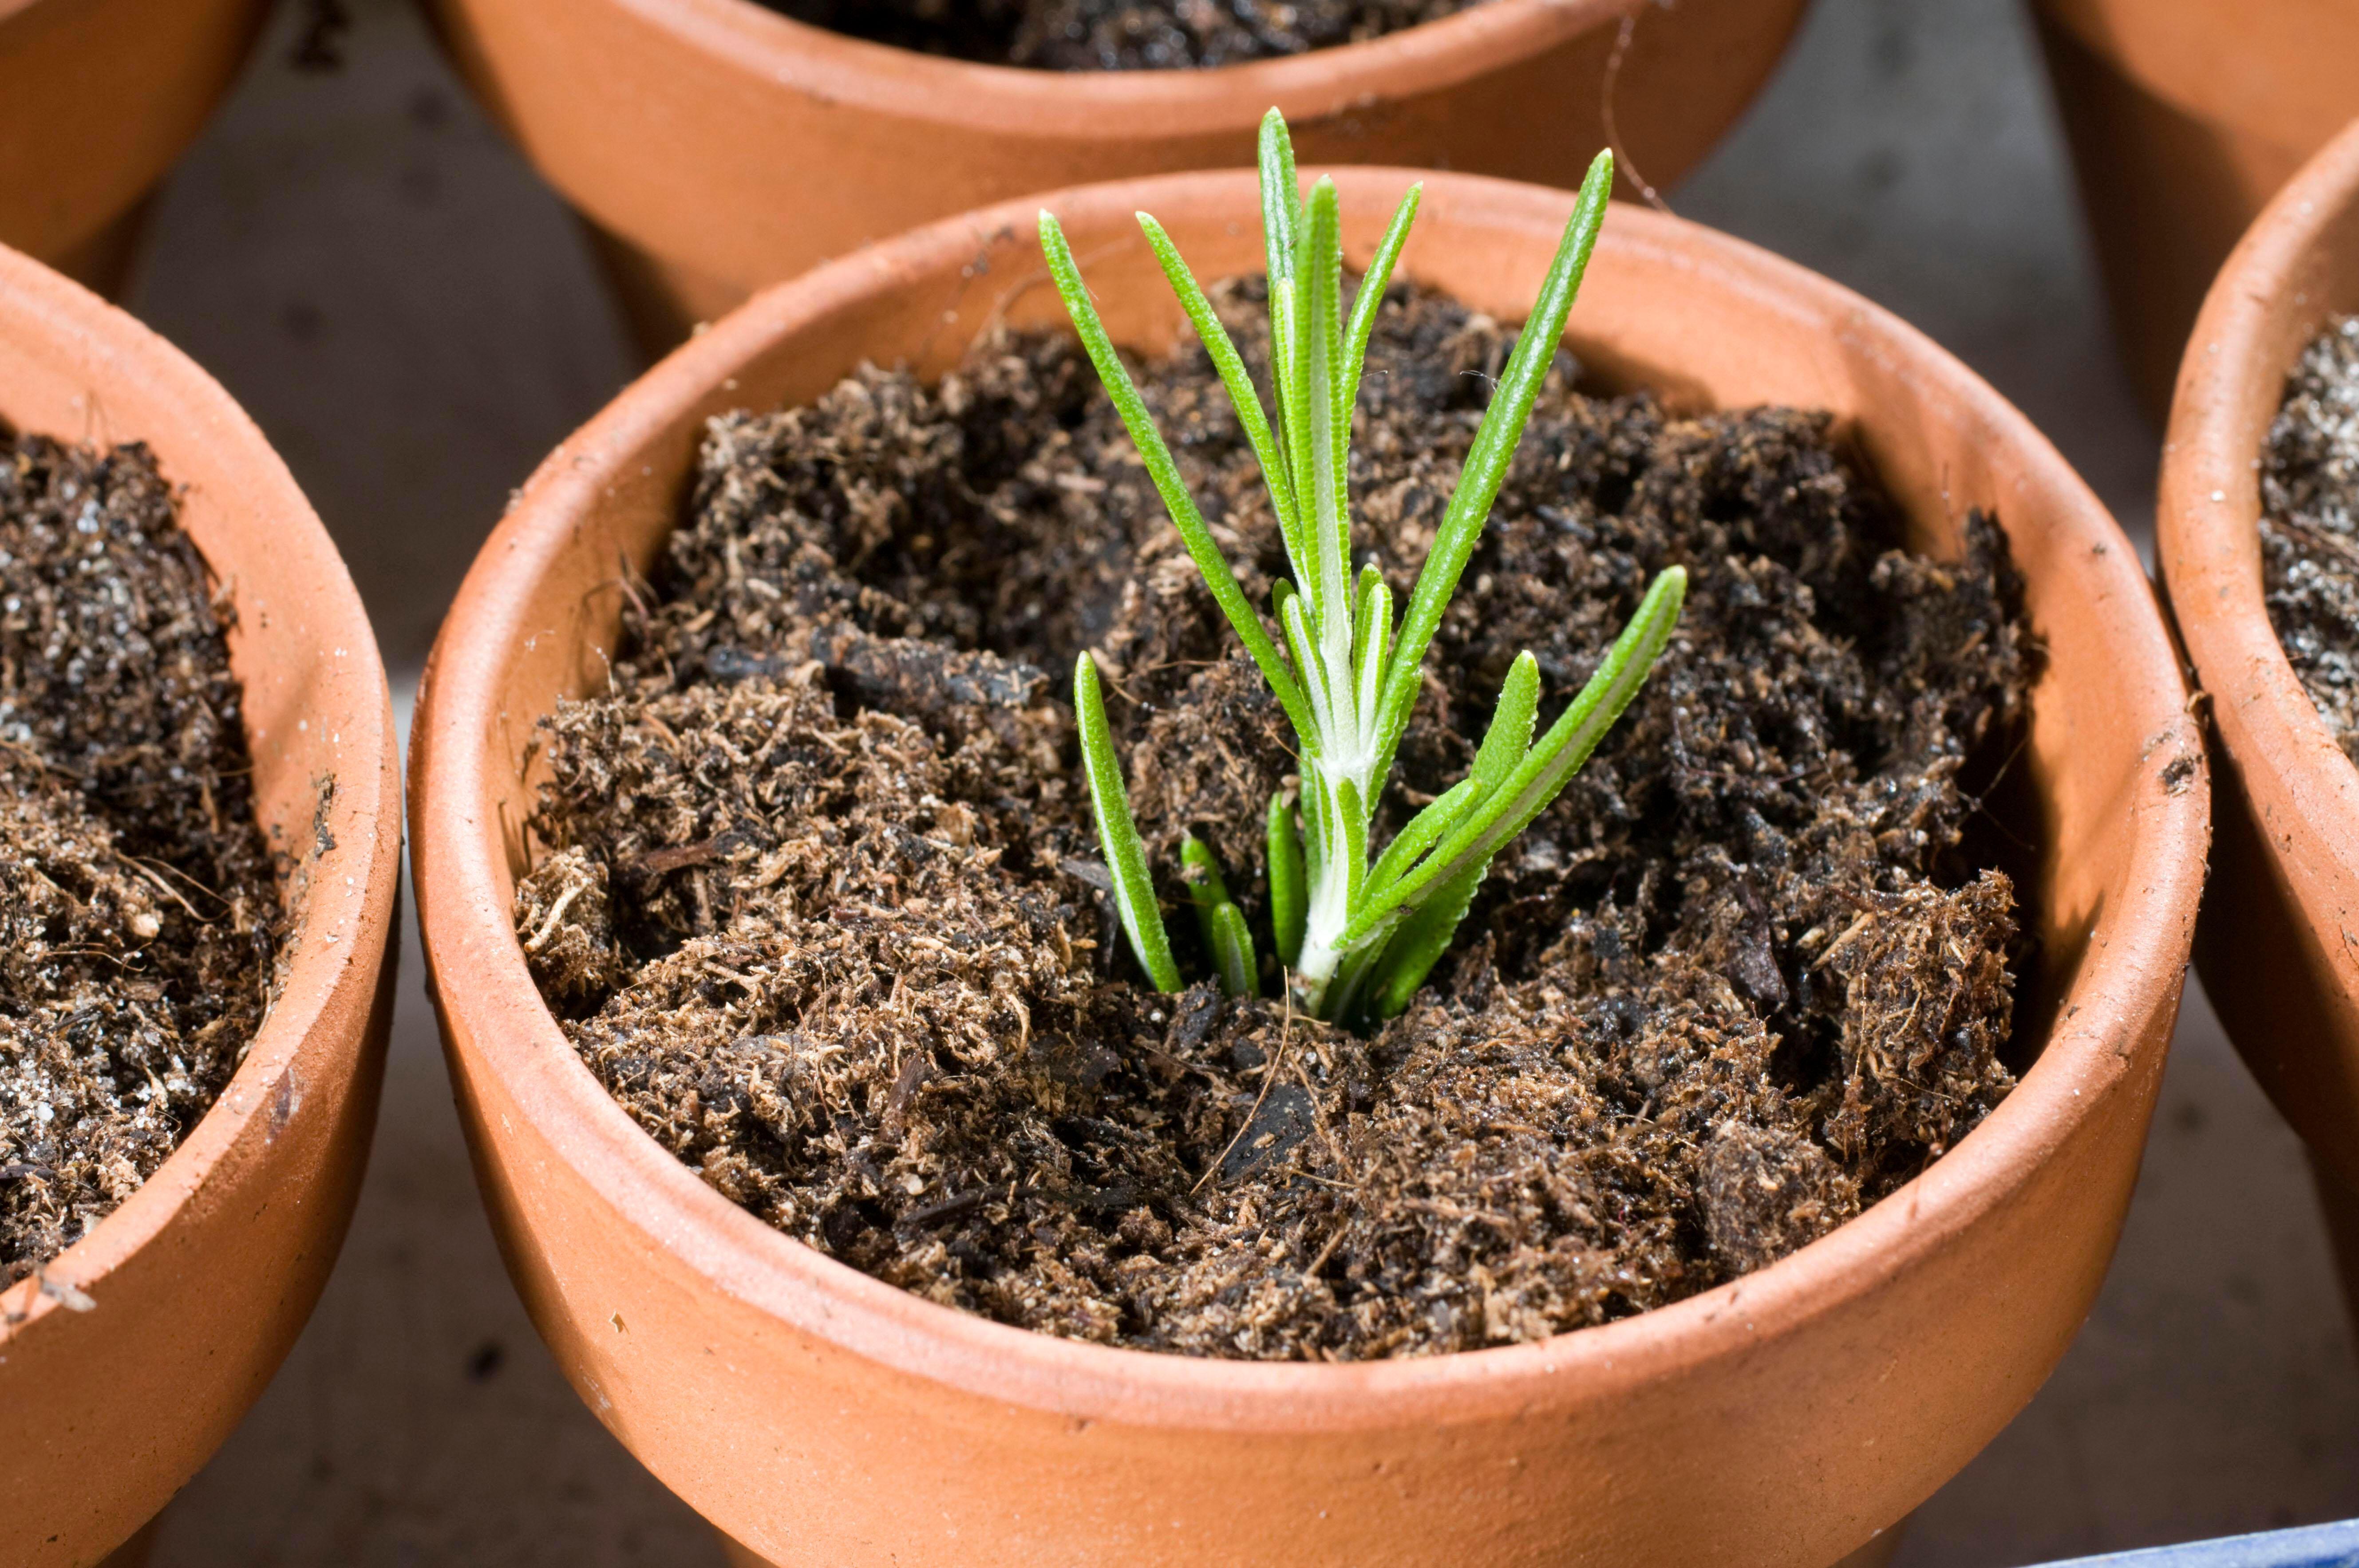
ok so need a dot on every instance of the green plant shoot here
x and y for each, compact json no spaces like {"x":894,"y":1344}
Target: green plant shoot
{"x":1357,"y":937}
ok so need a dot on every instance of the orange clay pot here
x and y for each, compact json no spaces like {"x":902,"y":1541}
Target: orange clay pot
{"x":2185,"y":116}
{"x":819,"y":1416}
{"x":717,"y":146}
{"x":98,"y":98}
{"x":127,"y":1361}
{"x":2276,"y":942}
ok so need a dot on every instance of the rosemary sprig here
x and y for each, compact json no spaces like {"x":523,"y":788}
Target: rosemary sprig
{"x":1358,"y":940}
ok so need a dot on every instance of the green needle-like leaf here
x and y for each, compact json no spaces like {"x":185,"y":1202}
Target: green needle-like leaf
{"x":1356,"y":939}
{"x":1552,"y":762}
{"x":1486,"y":468}
{"x":1371,"y":297}
{"x":1427,"y":932}
{"x":1206,"y":890}
{"x":1370,"y":628}
{"x":1423,"y":937}
{"x":1510,"y":734}
{"x":1231,"y":367}
{"x":1329,"y":525}
{"x":1289,"y":903}
{"x":1352,"y":814}
{"x":1125,"y":856}
{"x":1302,"y":647}
{"x":1423,"y":831}
{"x":1289,"y":368}
{"x":1164,"y":472}
{"x":1233,"y":952}
{"x":1281,"y":197}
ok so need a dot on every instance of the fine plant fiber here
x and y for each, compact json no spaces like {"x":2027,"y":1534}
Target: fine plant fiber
{"x":1354,"y":940}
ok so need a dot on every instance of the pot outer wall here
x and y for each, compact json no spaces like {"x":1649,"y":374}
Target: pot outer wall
{"x":815,"y":1415}
{"x":1876,"y":1553}
{"x":128,"y":1359}
{"x":715,"y":147}
{"x":2185,"y":116}
{"x":2278,"y":943}
{"x":98,"y":99}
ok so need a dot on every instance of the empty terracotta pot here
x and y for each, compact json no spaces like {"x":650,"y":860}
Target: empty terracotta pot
{"x":815,"y":1415}
{"x":2276,"y":942}
{"x":2185,"y":116}
{"x":715,"y":147}
{"x":133,"y":1353}
{"x":98,"y":98}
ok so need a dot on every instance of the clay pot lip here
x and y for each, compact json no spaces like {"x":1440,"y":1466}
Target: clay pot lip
{"x":2134,"y":963}
{"x":345,"y":918}
{"x":745,"y":38}
{"x":2209,"y":549}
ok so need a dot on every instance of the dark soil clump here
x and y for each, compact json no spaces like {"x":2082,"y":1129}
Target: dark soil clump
{"x":2310,"y":525}
{"x":821,"y":904}
{"x":138,"y":912}
{"x":1117,"y":35}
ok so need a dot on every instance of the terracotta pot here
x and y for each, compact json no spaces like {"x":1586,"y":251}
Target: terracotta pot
{"x":2185,"y":116}
{"x":98,"y":98}
{"x":2276,"y":942}
{"x":715,"y":147}
{"x":817,"y":1415}
{"x":133,"y":1354}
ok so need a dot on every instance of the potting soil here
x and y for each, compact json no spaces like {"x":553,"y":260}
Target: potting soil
{"x":2310,"y":525}
{"x":139,"y":914}
{"x":1117,"y":35}
{"x":820,"y":902}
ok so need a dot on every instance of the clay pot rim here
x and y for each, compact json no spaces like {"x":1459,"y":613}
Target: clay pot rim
{"x":351,"y":888}
{"x":2210,"y":549}
{"x":2135,"y":948}
{"x":747,"y":39}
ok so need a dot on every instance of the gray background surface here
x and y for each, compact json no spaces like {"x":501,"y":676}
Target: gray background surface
{"x":415,"y":321}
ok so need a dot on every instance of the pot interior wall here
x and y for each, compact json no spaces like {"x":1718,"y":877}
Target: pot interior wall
{"x":48,"y":366}
{"x":1699,"y":336}
{"x":120,"y":1405}
{"x":2324,"y":283}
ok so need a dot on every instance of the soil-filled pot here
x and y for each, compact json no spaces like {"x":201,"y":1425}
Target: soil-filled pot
{"x":2276,"y":945}
{"x":2185,"y":116}
{"x":97,"y":99}
{"x":126,"y":1358}
{"x":716,"y":145}
{"x":815,"y":1414}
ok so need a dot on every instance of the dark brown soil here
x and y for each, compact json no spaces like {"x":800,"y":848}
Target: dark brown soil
{"x":822,"y":905}
{"x":138,"y":912}
{"x":1117,"y":35}
{"x":2310,"y":525}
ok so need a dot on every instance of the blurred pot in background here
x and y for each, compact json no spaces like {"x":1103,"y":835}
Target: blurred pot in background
{"x":126,"y":1359}
{"x":2185,"y":116}
{"x":716,"y":145}
{"x":98,"y":98}
{"x":2279,"y":942}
